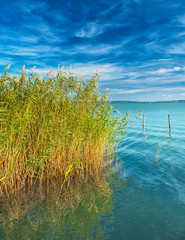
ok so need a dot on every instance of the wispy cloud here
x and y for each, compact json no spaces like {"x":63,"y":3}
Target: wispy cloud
{"x":130,"y":91}
{"x":93,"y":29}
{"x":167,"y":70}
{"x":139,"y":48}
{"x":90,"y":30}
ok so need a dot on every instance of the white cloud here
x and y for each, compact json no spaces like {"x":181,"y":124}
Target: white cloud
{"x":92,"y":29}
{"x":178,"y":48}
{"x":181,"y":19}
{"x":106,"y":71}
{"x":6,"y":61}
{"x":16,"y":38}
{"x":122,"y":91}
{"x":34,"y":51}
{"x":166,"y":70}
{"x":177,"y":68}
{"x":147,"y":90}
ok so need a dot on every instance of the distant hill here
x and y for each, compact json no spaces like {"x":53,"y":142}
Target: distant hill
{"x":174,"y":101}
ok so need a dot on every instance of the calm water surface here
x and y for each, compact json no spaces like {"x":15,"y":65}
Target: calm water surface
{"x":148,"y":188}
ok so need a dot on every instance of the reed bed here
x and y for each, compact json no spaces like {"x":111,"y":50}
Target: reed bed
{"x":53,"y":129}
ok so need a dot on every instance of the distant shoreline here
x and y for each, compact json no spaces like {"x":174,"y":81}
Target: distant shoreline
{"x":174,"y":101}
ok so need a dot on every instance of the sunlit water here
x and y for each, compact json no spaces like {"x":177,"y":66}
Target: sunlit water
{"x":148,"y":188}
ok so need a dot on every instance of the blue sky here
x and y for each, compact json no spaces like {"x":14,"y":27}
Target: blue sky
{"x":139,"y":45}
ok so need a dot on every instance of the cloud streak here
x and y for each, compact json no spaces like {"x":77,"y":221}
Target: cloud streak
{"x":138,"y":46}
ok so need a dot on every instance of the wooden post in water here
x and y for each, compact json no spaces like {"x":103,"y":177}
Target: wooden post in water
{"x":169,"y":122}
{"x":143,"y":122}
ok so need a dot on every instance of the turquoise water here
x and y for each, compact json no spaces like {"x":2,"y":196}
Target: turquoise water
{"x":147,"y":189}
{"x":152,"y":203}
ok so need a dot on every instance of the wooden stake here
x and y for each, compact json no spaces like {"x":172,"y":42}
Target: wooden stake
{"x":169,"y":122}
{"x":143,"y":122}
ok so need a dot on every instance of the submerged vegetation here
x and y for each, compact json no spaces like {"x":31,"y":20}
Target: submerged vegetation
{"x":43,"y":219}
{"x":57,"y":129}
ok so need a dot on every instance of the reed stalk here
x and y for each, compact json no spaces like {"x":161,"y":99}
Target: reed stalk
{"x":53,"y":129}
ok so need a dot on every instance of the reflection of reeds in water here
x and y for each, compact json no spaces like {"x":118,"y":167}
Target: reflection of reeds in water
{"x":54,"y":130}
{"x":76,"y":216}
{"x":158,"y":150}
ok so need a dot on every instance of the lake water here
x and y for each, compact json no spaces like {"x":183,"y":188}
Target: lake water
{"x":147,"y":189}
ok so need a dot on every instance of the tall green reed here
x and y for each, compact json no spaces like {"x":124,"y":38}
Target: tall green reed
{"x":58,"y":128}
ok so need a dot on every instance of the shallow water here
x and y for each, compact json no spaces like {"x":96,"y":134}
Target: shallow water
{"x":148,"y":188}
{"x":152,"y":203}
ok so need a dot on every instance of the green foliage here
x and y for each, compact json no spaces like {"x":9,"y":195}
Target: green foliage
{"x":56,"y":128}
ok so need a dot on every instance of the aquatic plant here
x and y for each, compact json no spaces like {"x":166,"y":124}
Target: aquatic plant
{"x":158,"y":148}
{"x":42,"y":218}
{"x":57,"y":128}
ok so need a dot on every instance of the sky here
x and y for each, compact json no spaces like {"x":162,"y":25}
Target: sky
{"x":138,"y":45}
